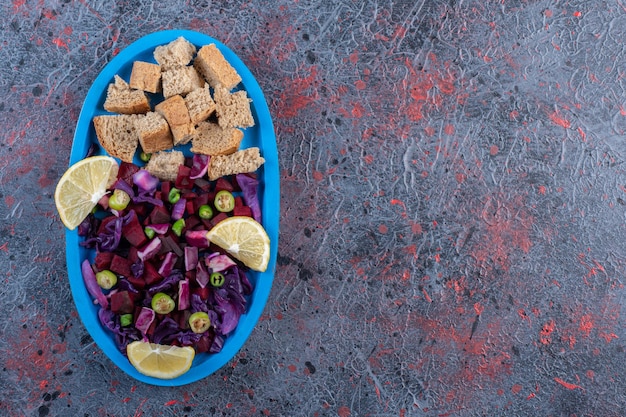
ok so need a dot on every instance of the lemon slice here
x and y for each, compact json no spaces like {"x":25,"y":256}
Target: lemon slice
{"x":82,"y":186}
{"x":160,"y":361}
{"x":245,"y":239}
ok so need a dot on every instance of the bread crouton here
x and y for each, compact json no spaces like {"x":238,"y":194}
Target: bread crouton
{"x":175,"y":112}
{"x":200,"y":104}
{"x":213,"y":140}
{"x":122,"y":99}
{"x":233,"y":110}
{"x":154,"y":133}
{"x":180,"y":80}
{"x":145,"y":76}
{"x":117,"y":134}
{"x":242,"y":161}
{"x":215,"y":69}
{"x":177,"y":53}
{"x":164,"y":165}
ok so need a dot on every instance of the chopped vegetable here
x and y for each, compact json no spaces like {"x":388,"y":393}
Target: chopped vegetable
{"x":217,"y":279}
{"x":91,"y":284}
{"x":224,"y":201}
{"x":199,"y":322}
{"x":173,"y":196}
{"x":162,"y":303}
{"x":205,"y":212}
{"x":145,"y":157}
{"x":178,"y":226}
{"x":106,"y":279}
{"x":126,"y":320}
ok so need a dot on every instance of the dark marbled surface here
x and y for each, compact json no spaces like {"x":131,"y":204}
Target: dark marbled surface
{"x":452,"y":212}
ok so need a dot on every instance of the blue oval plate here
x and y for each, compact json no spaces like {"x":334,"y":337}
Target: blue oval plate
{"x":261,"y":135}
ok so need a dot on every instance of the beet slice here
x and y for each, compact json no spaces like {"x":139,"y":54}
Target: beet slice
{"x":133,"y":231}
{"x":122,"y":303}
{"x":103,"y":260}
{"x":242,"y":211}
{"x":182,"y":179}
{"x":126,"y":171}
{"x":151,"y":274}
{"x":137,"y":282}
{"x":223,"y":184}
{"x":221,"y":216}
{"x":120,"y":266}
{"x":159,"y":214}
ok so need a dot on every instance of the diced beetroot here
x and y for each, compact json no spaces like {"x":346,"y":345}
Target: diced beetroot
{"x":191,"y":276}
{"x":189,"y":194}
{"x":183,"y":319}
{"x":159,"y":214}
{"x":120,"y":266}
{"x":171,"y":244}
{"x":202,"y":292}
{"x":140,"y":209}
{"x":105,"y":221}
{"x":122,"y":303}
{"x":133,"y":255}
{"x":103,"y":260}
{"x":104,"y":202}
{"x":205,"y":342}
{"x":216,"y":219}
{"x":242,"y":211}
{"x":208,"y":224}
{"x":182,"y":180}
{"x":166,"y":186}
{"x":138,"y":283}
{"x":133,"y":231}
{"x":239,"y":201}
{"x":151,"y":329}
{"x":203,"y":184}
{"x":191,"y":222}
{"x":190,"y":206}
{"x":201,"y":200}
{"x":223,"y":184}
{"x":126,"y":171}
{"x":151,"y":274}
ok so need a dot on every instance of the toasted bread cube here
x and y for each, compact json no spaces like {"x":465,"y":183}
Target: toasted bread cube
{"x":233,"y":109}
{"x":122,"y":99}
{"x":175,"y":112}
{"x":200,"y":104}
{"x":180,"y":80}
{"x":177,"y":53}
{"x":215,"y":69}
{"x":164,"y":165}
{"x":211,"y":139}
{"x":146,"y":76}
{"x":117,"y":134}
{"x":154,"y":133}
{"x":242,"y":161}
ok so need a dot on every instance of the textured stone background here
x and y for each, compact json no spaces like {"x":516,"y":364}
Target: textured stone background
{"x":453,"y":206}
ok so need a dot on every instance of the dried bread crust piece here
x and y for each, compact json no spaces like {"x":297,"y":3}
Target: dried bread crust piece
{"x":145,"y":76}
{"x":154,"y":133}
{"x":200,"y":104}
{"x":175,"y":112}
{"x":177,"y":53}
{"x":118,"y":135}
{"x":211,"y":139}
{"x":180,"y":80}
{"x":215,"y":69}
{"x":122,"y":99}
{"x":164,"y":165}
{"x":242,"y":161}
{"x":233,"y":109}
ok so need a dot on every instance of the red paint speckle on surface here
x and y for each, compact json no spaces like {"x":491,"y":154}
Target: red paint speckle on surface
{"x":360,"y":85}
{"x":567,"y":385}
{"x":556,"y":118}
{"x":171,"y":402}
{"x":545,"y":335}
{"x":493,"y":150}
{"x":344,"y":411}
{"x":448,"y":129}
{"x":299,"y":93}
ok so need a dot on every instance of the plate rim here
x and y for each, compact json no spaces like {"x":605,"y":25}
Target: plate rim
{"x":270,"y":206}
